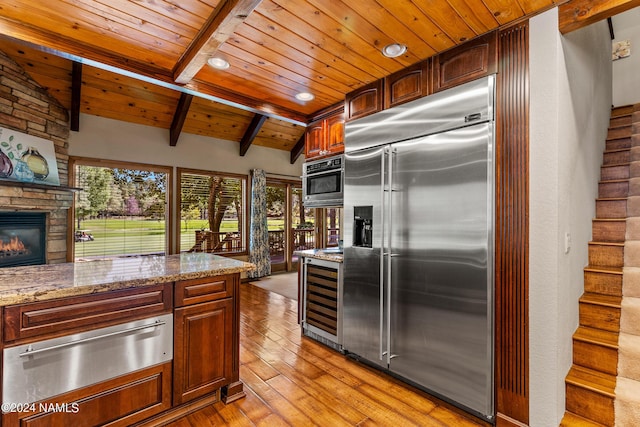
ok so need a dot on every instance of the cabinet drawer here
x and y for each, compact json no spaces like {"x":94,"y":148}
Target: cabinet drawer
{"x":46,"y":319}
{"x":202,"y":290}
{"x":119,"y":402}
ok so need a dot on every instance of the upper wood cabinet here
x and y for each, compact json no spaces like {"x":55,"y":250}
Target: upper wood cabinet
{"x":325,"y":136}
{"x":364,"y":101}
{"x":469,"y":61}
{"x":408,"y":84}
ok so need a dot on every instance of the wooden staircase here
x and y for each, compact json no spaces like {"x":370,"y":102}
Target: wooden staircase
{"x":591,"y":382}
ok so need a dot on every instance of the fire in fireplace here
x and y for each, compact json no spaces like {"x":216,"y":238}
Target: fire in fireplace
{"x":22,"y":238}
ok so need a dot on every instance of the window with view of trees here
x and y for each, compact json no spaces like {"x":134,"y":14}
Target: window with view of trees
{"x":212,"y":212}
{"x":121,"y":211}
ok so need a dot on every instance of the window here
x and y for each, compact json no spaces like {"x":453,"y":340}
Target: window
{"x":212,"y":212}
{"x":121,"y":210}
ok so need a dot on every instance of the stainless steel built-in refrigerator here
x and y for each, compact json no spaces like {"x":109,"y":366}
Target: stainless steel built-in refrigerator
{"x":418,"y":243}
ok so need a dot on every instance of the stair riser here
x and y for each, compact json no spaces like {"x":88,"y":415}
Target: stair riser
{"x":614,"y":172}
{"x":616,"y":157}
{"x":620,"y":122}
{"x":613,"y":189}
{"x":606,"y":256}
{"x":600,"y":317}
{"x":590,"y":405}
{"x":609,"y":231}
{"x":617,"y":144}
{"x":603,"y":283}
{"x":620,"y":132}
{"x":624,"y":110}
{"x":611,"y":208}
{"x":596,"y":357}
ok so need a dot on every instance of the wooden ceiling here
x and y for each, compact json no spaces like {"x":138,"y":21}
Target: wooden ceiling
{"x":144,"y":61}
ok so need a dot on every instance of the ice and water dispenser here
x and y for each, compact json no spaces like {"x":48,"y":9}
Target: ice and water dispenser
{"x":363,"y":226}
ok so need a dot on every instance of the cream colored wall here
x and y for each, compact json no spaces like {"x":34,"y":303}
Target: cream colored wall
{"x":626,"y":74}
{"x":570,"y":99}
{"x":111,"y":139}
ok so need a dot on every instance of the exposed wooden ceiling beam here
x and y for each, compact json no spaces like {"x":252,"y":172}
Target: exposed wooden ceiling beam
{"x":576,"y":14}
{"x":179,"y":117}
{"x":222,"y":23}
{"x":104,"y":60}
{"x":76,"y":95}
{"x":251,"y":133}
{"x":297,"y":149}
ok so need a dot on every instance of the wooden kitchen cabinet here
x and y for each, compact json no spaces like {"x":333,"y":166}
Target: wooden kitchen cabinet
{"x":325,"y":136}
{"x":205,"y":337}
{"x":469,"y":61}
{"x":367,"y":100}
{"x":203,"y":370}
{"x":202,"y":356}
{"x":122,"y":401}
{"x":408,"y":84}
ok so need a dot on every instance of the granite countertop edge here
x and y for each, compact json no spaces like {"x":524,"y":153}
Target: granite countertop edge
{"x":21,"y":285}
{"x":322,"y":254}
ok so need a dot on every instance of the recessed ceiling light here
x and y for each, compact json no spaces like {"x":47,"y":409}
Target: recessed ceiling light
{"x":218,"y":63}
{"x":394,"y":50}
{"x":304,"y":96}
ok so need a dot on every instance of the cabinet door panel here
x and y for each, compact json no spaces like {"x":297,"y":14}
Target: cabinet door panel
{"x":335,"y":133}
{"x":46,"y":319}
{"x":472,"y":60}
{"x":408,"y":84}
{"x":314,"y":140}
{"x":364,"y":101}
{"x":202,"y":290}
{"x":203,"y":342}
{"x":122,"y":401}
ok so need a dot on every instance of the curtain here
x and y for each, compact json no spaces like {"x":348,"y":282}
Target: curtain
{"x":258,"y":232}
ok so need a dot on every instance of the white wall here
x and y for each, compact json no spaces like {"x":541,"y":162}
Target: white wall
{"x":570,"y":100}
{"x":115,"y":140}
{"x":626,"y":71}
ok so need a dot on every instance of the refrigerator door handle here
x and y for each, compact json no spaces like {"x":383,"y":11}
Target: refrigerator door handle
{"x":389,"y":208}
{"x":382,"y":351}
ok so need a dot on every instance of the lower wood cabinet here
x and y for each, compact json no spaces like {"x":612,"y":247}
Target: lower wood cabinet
{"x":121,"y":401}
{"x":202,"y":360}
{"x":204,"y":369}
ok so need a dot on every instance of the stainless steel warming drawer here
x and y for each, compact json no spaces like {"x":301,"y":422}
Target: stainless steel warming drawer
{"x":39,"y":370}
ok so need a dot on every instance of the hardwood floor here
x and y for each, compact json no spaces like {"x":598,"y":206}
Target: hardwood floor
{"x":294,"y":381}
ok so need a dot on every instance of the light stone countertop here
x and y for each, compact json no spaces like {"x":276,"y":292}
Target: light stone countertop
{"x":49,"y":281}
{"x":329,"y":254}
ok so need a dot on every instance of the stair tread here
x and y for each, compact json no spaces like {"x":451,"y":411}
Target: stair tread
{"x":572,"y":420}
{"x":590,"y":379}
{"x":617,"y":150}
{"x":597,"y":336}
{"x":610,"y":219}
{"x":606,"y":270}
{"x":613,"y":181}
{"x":606,"y":243}
{"x":599,"y":299}
{"x":615,"y":165}
{"x":610,"y":199}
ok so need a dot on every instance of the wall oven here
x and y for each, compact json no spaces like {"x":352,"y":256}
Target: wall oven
{"x":322,"y":182}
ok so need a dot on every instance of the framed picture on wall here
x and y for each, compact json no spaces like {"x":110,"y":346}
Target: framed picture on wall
{"x":27,"y":158}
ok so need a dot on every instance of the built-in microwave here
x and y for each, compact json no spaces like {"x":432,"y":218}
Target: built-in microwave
{"x":322,"y":182}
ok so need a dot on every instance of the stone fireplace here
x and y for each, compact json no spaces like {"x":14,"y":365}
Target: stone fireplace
{"x":27,"y":107}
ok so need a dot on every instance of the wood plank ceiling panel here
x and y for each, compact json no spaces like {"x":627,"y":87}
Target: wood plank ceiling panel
{"x":216,"y":120}
{"x":505,"y":11}
{"x":476,"y":14}
{"x":51,"y":72}
{"x":278,"y":134}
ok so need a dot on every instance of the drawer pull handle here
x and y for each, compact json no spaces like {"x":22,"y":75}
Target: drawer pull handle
{"x":29,"y":351}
